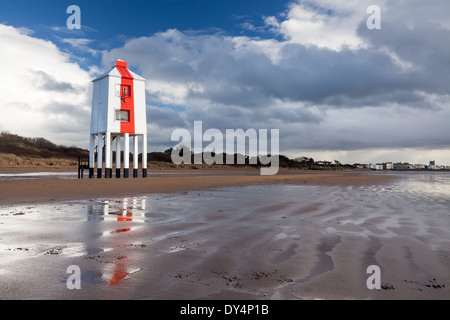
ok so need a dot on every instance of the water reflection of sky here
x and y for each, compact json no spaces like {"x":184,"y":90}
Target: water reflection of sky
{"x":39,"y":175}
{"x":426,"y":186}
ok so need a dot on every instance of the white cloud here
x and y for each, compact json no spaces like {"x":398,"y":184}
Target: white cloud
{"x":81,"y":44}
{"x":245,"y":45}
{"x":171,"y":93}
{"x":43,"y":94}
{"x":326,"y":24}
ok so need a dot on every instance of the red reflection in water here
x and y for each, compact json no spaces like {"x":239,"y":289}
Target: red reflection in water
{"x":125,"y":218}
{"x":120,"y":268}
{"x":120,"y":272}
{"x":128,"y":218}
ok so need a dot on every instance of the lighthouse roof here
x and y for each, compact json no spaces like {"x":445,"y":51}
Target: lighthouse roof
{"x":114,"y":71}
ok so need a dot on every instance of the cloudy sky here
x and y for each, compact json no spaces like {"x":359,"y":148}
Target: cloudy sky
{"x":335,"y":89}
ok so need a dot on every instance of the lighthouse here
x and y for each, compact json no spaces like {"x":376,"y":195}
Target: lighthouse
{"x":118,"y":115}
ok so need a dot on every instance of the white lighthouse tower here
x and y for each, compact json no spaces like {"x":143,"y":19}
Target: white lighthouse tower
{"x":118,"y":111}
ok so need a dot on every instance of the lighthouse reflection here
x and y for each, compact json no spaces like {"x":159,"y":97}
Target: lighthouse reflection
{"x":121,"y":210}
{"x":120,"y":272}
{"x":125,"y":212}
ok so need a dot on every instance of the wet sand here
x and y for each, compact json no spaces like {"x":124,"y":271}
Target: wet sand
{"x":44,"y":190}
{"x":303,"y":236}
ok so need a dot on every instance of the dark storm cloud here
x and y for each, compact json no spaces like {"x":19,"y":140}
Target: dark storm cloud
{"x":348,"y":78}
{"x":76,"y":111}
{"x":392,"y":92}
{"x":164,"y":117}
{"x":425,"y":46}
{"x":49,"y":83}
{"x":399,"y":98}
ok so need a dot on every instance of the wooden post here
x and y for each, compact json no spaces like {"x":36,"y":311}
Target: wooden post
{"x":126,"y":155}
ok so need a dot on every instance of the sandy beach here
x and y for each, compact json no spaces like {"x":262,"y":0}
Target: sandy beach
{"x":44,"y":190}
{"x":226,"y":235}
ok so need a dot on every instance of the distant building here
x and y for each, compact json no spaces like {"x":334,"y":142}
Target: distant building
{"x":401,"y":166}
{"x":432,"y":165}
{"x":388,"y":166}
{"x":377,"y":166}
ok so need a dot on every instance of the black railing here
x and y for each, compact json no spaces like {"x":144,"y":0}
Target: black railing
{"x":83,"y":163}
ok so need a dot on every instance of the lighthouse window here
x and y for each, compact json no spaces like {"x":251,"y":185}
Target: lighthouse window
{"x":122,"y":115}
{"x":125,"y":91}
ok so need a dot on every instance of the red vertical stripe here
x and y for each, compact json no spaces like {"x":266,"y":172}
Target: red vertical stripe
{"x":127,"y":101}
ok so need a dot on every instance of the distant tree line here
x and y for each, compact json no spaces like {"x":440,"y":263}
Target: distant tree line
{"x":36,"y":147}
{"x":43,"y":148}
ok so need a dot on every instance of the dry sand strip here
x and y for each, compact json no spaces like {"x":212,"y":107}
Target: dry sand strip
{"x":23,"y":191}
